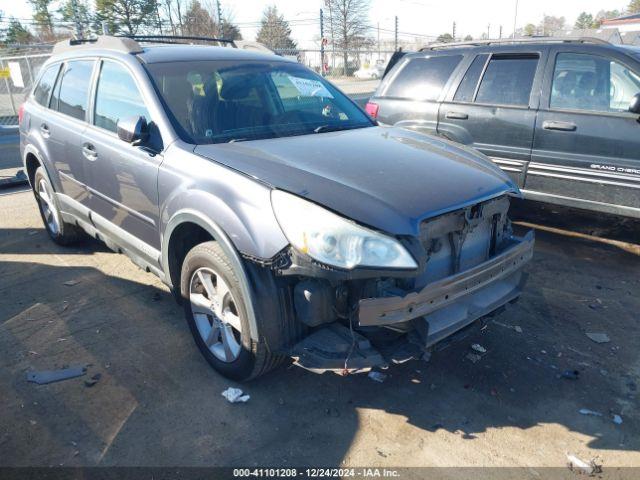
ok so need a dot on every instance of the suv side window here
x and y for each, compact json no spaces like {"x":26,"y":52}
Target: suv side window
{"x":467,"y":88}
{"x":73,"y":94}
{"x":423,"y":78}
{"x":43,"y":90}
{"x":594,"y":83}
{"x":508,"y":80}
{"x":117,"y":96}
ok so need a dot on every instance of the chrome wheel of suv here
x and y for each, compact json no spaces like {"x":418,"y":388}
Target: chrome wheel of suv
{"x":215,"y":314}
{"x":49,"y":210}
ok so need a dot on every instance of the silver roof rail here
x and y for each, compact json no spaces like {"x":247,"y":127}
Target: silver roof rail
{"x":104,"y":42}
{"x":516,"y":41}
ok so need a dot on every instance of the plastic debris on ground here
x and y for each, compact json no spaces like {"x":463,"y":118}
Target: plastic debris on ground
{"x":598,"y":337}
{"x":478,"y":348}
{"x":50,"y":376}
{"x":586,"y":411}
{"x":517,"y":328}
{"x":570,"y":374}
{"x":580,"y":466}
{"x":377,"y":376}
{"x":473,"y":357}
{"x":94,"y":379}
{"x":235,"y":395}
{"x":71,"y":283}
{"x":617,"y":419}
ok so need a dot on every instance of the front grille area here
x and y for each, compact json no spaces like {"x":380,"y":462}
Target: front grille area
{"x":462,"y":239}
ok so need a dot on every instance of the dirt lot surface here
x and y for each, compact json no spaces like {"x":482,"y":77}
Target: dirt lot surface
{"x":157,"y":402}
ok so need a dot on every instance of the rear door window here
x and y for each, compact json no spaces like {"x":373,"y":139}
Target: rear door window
{"x":73,"y":95}
{"x":508,"y":80}
{"x":45,"y":85}
{"x":423,"y":78}
{"x":592,"y":83}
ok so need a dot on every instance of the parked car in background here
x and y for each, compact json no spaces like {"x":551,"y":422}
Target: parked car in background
{"x":370,"y":72}
{"x":560,"y":116}
{"x":287,"y":223}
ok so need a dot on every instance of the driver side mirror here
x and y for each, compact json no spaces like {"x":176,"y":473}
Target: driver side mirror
{"x":133,"y":130}
{"x":634,"y":106}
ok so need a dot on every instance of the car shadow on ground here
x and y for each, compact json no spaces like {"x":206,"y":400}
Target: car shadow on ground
{"x":158,"y":403}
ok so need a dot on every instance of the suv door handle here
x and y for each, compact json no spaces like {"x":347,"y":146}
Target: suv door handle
{"x":457,"y":115}
{"x":44,"y":130}
{"x":562,"y":126}
{"x":89,"y":151}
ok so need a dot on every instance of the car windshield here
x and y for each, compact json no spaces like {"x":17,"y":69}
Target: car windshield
{"x":230,"y":101}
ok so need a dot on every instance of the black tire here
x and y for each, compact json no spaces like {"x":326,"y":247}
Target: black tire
{"x":254,"y":359}
{"x":65,"y":233}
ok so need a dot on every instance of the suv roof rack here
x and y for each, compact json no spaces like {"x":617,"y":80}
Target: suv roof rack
{"x":131,"y":43}
{"x":515,"y":41}
{"x":106,"y":42}
{"x":178,"y":39}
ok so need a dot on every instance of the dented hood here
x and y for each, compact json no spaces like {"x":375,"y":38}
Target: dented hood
{"x":385,"y":177}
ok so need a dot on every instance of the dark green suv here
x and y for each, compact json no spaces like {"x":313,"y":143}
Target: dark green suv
{"x":560,"y":116}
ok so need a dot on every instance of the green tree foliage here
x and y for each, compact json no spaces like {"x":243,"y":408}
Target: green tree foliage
{"x":530,"y":30}
{"x":634,"y":7}
{"x":468,"y":38}
{"x":42,"y":18}
{"x":66,"y":13}
{"x":585,"y":21}
{"x":229,"y":30}
{"x":444,"y":38}
{"x":274,"y":30}
{"x":126,"y":16}
{"x":198,"y":22}
{"x":17,"y":33}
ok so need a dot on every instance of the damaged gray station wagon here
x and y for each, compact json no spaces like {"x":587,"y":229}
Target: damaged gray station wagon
{"x":287,"y":223}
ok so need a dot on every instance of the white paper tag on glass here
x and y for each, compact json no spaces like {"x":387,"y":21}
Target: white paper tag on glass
{"x":310,"y":88}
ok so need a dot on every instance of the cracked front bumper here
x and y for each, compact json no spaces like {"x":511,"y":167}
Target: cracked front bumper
{"x":454,"y":302}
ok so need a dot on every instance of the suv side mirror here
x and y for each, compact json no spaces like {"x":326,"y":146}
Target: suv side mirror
{"x":133,"y":130}
{"x":634,"y":106}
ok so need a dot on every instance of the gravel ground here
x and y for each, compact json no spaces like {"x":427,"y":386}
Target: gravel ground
{"x":157,"y":403}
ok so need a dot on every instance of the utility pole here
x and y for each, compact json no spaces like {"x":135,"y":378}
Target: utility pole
{"x":454,"y":31}
{"x":515,"y":19}
{"x":322,"y":43}
{"x":159,"y":19}
{"x":76,"y":19}
{"x":500,"y":34}
{"x":378,"y":40}
{"x":488,"y":31}
{"x":220,"y":18}
{"x":395,"y":42}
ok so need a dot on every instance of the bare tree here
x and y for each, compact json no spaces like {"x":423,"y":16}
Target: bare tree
{"x":551,"y":25}
{"x":349,"y":19}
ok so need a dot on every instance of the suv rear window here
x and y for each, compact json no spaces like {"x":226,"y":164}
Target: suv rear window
{"x":508,"y":80}
{"x":43,"y":90}
{"x":423,"y":78}
{"x":73,"y":94}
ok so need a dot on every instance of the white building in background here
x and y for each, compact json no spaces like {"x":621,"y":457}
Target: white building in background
{"x":626,"y":23}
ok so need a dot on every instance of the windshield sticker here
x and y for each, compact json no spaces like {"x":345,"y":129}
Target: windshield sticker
{"x":310,"y":88}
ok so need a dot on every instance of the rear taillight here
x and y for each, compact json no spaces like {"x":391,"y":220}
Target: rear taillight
{"x":20,"y":113}
{"x":372,"y":109}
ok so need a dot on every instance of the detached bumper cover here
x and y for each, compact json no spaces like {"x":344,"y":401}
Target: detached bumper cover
{"x":454,"y":302}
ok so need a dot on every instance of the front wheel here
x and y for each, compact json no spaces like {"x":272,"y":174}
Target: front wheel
{"x":216,"y":312}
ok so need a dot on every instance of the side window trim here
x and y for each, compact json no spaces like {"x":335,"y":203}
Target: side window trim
{"x":484,"y":70}
{"x":55,"y":81}
{"x":57,"y":85}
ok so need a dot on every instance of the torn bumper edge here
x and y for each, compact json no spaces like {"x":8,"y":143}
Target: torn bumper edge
{"x":464,"y":297}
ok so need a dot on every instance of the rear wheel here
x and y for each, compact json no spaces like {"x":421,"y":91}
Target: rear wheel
{"x":61,"y":232}
{"x":216,"y":312}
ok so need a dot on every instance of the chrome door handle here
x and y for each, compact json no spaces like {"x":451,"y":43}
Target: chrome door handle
{"x":561,"y":126}
{"x":457,"y":115}
{"x":89,"y":152}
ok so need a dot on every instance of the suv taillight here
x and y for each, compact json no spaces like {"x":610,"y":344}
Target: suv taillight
{"x":372,"y":109}
{"x":20,"y":114}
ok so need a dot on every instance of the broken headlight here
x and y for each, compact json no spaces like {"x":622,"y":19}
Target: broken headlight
{"x":334,"y":240}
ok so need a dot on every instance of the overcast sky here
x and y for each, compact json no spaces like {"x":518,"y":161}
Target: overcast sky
{"x":424,"y":17}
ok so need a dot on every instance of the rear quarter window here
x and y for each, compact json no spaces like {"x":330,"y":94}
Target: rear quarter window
{"x":45,"y":85}
{"x":423,"y":78}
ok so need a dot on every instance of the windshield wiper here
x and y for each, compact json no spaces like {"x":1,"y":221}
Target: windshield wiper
{"x":336,"y":128}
